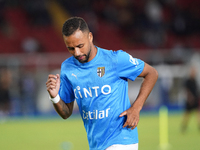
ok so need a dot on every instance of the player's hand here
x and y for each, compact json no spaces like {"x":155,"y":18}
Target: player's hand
{"x":53,"y":85}
{"x":133,"y":116}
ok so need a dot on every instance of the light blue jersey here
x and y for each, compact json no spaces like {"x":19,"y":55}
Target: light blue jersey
{"x":100,"y":88}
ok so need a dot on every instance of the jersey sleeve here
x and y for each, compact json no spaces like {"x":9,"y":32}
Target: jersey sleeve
{"x":66,"y":92}
{"x":127,"y":66}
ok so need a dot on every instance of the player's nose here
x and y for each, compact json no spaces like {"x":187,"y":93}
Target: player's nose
{"x":77,"y":52}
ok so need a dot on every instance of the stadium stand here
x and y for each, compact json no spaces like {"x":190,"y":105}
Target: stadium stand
{"x":158,"y":25}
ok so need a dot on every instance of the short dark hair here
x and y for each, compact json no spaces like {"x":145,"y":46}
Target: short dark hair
{"x":73,"y":24}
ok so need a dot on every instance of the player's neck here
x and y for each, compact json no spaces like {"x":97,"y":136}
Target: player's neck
{"x":93,"y":52}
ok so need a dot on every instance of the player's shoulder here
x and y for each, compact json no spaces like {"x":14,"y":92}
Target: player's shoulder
{"x":115,"y":56}
{"x":119,"y":54}
{"x":111,"y":53}
{"x":122,"y":57}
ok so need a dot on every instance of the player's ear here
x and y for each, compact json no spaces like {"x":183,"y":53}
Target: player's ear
{"x":90,"y":36}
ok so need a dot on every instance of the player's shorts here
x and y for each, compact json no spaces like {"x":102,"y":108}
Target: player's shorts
{"x":123,"y":147}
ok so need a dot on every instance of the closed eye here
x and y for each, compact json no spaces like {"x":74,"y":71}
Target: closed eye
{"x":80,"y":46}
{"x":72,"y":48}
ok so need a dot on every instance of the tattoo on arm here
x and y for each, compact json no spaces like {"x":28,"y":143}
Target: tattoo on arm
{"x":63,"y":109}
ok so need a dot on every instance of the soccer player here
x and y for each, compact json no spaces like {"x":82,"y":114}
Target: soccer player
{"x":97,"y":79}
{"x":192,"y":99}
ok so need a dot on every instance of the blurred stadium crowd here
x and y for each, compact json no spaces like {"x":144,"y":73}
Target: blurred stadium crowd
{"x":134,"y":24}
{"x":157,"y":31}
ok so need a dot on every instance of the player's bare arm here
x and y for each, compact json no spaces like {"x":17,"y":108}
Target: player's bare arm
{"x":53,"y":86}
{"x":64,"y":109}
{"x":150,"y":76}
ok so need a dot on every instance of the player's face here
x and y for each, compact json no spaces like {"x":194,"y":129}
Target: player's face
{"x":79,"y":45}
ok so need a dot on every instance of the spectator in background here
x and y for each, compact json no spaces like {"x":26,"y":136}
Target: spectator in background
{"x":27,"y":92}
{"x":154,"y":35}
{"x":192,"y":99}
{"x":2,"y":19}
{"x":37,"y":12}
{"x":5,"y":28}
{"x":31,"y":45}
{"x":5,"y":82}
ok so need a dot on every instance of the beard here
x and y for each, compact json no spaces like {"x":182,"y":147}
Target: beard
{"x":87,"y":56}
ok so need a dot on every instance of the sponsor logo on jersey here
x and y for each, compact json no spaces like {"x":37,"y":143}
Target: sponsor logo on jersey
{"x":100,"y":71}
{"x":95,"y":114}
{"x":91,"y":91}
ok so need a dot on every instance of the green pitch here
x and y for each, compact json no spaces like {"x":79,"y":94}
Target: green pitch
{"x":58,"y":134}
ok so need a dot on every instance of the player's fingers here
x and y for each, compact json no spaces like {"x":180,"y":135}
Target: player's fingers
{"x":52,"y":76}
{"x":49,"y":89}
{"x":131,"y":125}
{"x":50,"y":84}
{"x":125,"y":125}
{"x":50,"y":80}
{"x":128,"y":123}
{"x":58,"y":76}
{"x":134,"y":125}
{"x":123,"y":114}
{"x":131,"y":122}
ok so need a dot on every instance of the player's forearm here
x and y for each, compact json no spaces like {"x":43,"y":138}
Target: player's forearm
{"x":146,"y":88}
{"x":63,"y":109}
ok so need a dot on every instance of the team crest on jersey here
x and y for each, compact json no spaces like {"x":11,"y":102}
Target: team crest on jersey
{"x":100,"y":71}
